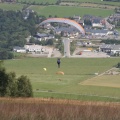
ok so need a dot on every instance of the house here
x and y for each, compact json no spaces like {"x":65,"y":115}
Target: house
{"x":36,"y":48}
{"x":33,"y":48}
{"x":97,"y":25}
{"x":75,"y":17}
{"x":67,"y":31}
{"x":96,"y":32}
{"x":97,"y":22}
{"x":78,"y":20}
{"x":48,"y":26}
{"x":110,"y":49}
{"x":115,"y":49}
{"x":43,"y":36}
{"x":19,"y":49}
{"x":27,"y":12}
{"x":114,"y":18}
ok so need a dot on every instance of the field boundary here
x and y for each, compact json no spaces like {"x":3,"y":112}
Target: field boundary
{"x":98,"y":75}
{"x":89,"y":95}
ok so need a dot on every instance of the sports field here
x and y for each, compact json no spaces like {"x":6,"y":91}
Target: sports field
{"x":71,"y":85}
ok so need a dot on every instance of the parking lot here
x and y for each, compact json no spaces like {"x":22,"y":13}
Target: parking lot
{"x":88,"y":54}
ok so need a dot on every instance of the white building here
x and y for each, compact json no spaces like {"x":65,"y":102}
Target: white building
{"x":97,"y":25}
{"x":19,"y":49}
{"x":35,"y":48}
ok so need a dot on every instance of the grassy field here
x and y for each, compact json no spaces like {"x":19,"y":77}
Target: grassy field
{"x":66,"y":11}
{"x":6,"y":6}
{"x":70,"y":1}
{"x":94,"y":1}
{"x":104,"y":80}
{"x":60,"y":11}
{"x":39,"y":1}
{"x":49,"y":84}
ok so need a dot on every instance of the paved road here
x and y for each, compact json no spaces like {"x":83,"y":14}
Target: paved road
{"x":56,"y":53}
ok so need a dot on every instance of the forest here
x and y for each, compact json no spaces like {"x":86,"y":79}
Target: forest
{"x":14,"y":29}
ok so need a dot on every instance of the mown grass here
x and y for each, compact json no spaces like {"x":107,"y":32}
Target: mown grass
{"x":51,"y":109}
{"x":67,"y":11}
{"x":104,"y":80}
{"x":49,"y":84}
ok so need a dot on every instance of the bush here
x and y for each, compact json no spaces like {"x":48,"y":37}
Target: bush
{"x":118,"y":65}
{"x":24,"y":87}
{"x":13,"y":87}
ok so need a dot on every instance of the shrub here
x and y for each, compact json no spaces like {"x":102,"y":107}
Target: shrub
{"x":118,"y":65}
{"x":13,"y":87}
{"x":24,"y":87}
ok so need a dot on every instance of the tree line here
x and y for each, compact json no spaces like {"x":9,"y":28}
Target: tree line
{"x":111,"y":41}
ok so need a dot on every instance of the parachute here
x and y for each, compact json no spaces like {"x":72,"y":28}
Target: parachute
{"x":65,"y":20}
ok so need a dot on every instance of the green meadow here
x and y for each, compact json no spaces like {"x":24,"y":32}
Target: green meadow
{"x":70,"y":85}
{"x":81,"y":1}
{"x":8,"y":6}
{"x":39,"y":1}
{"x":66,"y":11}
{"x":60,"y":11}
{"x":95,"y":1}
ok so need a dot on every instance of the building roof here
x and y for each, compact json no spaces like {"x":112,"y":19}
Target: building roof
{"x":110,"y":46}
{"x":18,"y":48}
{"x":96,"y":31}
{"x":65,"y":29}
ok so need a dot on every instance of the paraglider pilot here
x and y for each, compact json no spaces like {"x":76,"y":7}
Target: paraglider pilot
{"x":58,"y":62}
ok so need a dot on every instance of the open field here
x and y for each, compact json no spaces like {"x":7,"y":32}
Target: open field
{"x":66,"y":11}
{"x":53,"y":109}
{"x":104,"y":80}
{"x":60,"y":11}
{"x":97,"y":5}
{"x":8,"y":6}
{"x":39,"y":1}
{"x":70,"y":1}
{"x":94,"y":1}
{"x":67,"y":86}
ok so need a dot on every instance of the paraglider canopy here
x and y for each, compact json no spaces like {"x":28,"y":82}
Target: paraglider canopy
{"x":67,"y":21}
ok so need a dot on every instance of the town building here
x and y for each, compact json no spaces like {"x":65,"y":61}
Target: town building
{"x":34,"y":48}
{"x":19,"y":49}
{"x":43,"y":36}
{"x":110,"y":49}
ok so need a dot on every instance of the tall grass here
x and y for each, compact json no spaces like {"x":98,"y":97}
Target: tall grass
{"x":51,"y":109}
